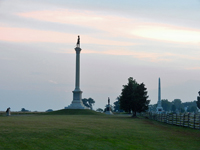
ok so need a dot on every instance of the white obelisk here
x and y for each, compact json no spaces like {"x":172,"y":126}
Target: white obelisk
{"x":159,"y":108}
{"x":77,"y":93}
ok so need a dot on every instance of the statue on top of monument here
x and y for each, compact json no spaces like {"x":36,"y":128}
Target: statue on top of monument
{"x":78,"y":42}
{"x":198,"y":100}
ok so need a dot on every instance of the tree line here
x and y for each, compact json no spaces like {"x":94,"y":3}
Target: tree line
{"x":134,"y":99}
{"x":176,"y":106}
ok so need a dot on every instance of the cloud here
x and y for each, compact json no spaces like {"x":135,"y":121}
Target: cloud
{"x":118,"y":26}
{"x":145,"y":55}
{"x":167,"y":33}
{"x":30,"y":35}
{"x":193,"y":68}
{"x":51,"y":81}
{"x":6,"y":58}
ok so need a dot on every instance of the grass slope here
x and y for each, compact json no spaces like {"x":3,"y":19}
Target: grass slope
{"x":95,"y":132}
{"x":74,"y":112}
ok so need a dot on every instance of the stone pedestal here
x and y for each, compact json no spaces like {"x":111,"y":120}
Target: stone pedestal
{"x":77,"y":93}
{"x":108,"y":110}
{"x":77,"y":101}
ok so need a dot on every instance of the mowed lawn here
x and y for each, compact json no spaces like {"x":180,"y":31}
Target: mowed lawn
{"x":95,"y":132}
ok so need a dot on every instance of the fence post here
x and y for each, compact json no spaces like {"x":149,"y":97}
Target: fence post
{"x":168,"y":118}
{"x":176,"y":118}
{"x":194,"y":121}
{"x":188,"y":120}
{"x":172,"y":119}
{"x":159,"y":117}
{"x":199,"y":122}
{"x":184,"y":119}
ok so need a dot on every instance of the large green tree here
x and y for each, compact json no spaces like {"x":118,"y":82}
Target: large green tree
{"x":198,"y":100}
{"x":134,"y":97}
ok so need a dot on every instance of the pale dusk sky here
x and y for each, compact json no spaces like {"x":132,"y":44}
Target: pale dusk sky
{"x":144,"y":39}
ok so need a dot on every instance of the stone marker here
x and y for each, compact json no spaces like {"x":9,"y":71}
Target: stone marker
{"x":8,"y":112}
{"x":108,"y":108}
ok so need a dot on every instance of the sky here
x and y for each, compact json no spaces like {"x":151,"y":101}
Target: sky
{"x":119,"y":39}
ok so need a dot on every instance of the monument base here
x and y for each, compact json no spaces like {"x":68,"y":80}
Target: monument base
{"x":77,"y":101}
{"x":76,"y":104}
{"x":159,"y":110}
{"x":109,"y":113}
{"x":108,"y":110}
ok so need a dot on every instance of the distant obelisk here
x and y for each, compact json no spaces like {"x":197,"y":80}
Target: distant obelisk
{"x":159,"y":108}
{"x":77,"y":93}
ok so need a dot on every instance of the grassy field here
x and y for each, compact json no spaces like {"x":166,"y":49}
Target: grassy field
{"x":95,"y":131}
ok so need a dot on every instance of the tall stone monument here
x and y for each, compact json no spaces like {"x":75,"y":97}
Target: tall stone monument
{"x":159,"y":108}
{"x":77,"y":93}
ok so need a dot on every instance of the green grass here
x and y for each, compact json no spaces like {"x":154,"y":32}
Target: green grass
{"x":74,"y":112}
{"x":95,"y":132}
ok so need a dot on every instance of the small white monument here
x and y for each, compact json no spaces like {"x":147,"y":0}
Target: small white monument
{"x":77,"y":93}
{"x":108,"y":108}
{"x":159,"y":108}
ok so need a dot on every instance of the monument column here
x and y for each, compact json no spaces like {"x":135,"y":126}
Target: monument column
{"x":78,"y":50}
{"x":77,"y":93}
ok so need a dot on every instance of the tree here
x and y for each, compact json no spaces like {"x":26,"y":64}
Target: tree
{"x":91,"y":102}
{"x":99,"y":110}
{"x":134,"y":97}
{"x":192,"y":109}
{"x":117,"y":105}
{"x":49,"y":110}
{"x":182,"y":110}
{"x":85,"y":102}
{"x":173,"y":108}
{"x":177,"y":103}
{"x":198,"y":100}
{"x":88,"y":102}
{"x":152,"y":108}
{"x":24,"y":110}
{"x":166,"y":105}
{"x":188,"y":105}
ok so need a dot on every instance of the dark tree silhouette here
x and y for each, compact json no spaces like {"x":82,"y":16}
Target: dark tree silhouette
{"x":134,"y":97}
{"x":88,"y":102}
{"x":198,"y":100}
{"x":173,"y":108}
